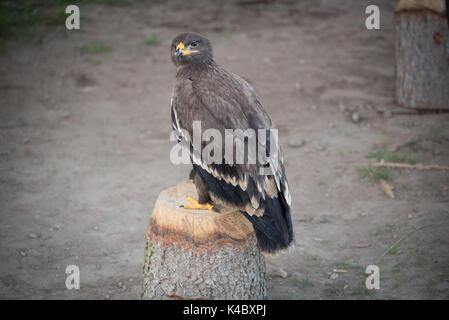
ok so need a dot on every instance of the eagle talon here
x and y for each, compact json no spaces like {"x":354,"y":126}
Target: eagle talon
{"x":196,"y":205}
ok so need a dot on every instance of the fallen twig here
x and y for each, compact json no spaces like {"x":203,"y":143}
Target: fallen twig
{"x":417,"y":166}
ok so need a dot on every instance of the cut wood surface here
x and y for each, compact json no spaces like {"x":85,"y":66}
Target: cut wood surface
{"x":438,"y":6}
{"x":199,"y":254}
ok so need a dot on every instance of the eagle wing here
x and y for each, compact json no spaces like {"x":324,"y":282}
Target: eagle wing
{"x":223,"y":100}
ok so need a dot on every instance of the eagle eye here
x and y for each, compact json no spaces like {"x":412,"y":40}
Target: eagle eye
{"x":194,"y":44}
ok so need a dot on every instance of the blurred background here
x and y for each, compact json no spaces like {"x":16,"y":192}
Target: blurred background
{"x":84,"y":144}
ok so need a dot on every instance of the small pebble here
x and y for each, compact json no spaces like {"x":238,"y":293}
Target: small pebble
{"x":319,"y":220}
{"x":280,"y":273}
{"x":333,"y":276}
{"x":319,"y":147}
{"x":296,"y":142}
{"x":355,"y":117}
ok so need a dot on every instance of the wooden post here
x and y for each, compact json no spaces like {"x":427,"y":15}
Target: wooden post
{"x":422,"y":54}
{"x":198,"y":254}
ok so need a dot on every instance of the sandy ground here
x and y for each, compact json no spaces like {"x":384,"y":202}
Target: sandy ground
{"x":84,"y":149}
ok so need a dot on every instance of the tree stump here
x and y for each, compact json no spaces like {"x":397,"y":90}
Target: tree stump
{"x":422,"y":54}
{"x":198,"y":254}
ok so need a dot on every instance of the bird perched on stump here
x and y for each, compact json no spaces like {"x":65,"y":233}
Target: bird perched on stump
{"x":221,"y":100}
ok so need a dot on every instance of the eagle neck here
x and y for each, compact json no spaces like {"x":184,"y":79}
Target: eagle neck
{"x":195,"y":71}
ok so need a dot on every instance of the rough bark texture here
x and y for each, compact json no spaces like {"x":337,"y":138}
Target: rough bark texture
{"x":422,"y":59}
{"x":192,"y":254}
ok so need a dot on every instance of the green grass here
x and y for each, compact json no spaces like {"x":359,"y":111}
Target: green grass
{"x":3,"y":48}
{"x":361,"y":292}
{"x":347,"y":266}
{"x":151,"y":40}
{"x":393,"y":250}
{"x":335,"y":289}
{"x":96,"y":48}
{"x":19,"y":18}
{"x":391,"y":156}
{"x":438,"y":132}
{"x":399,"y":274}
{"x":307,"y":283}
{"x":96,"y":62}
{"x":226,"y":32}
{"x":374,"y":173}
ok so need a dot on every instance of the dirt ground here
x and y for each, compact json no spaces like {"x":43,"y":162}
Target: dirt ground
{"x":84,"y":148}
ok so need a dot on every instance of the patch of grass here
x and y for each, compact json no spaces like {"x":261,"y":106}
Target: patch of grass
{"x":374,"y":173}
{"x":3,"y":48}
{"x":295,"y":282}
{"x":380,"y":230}
{"x":226,"y":32}
{"x":307,"y":283}
{"x":398,"y":274}
{"x":310,"y":257}
{"x":96,"y":48}
{"x":431,"y":283}
{"x":18,"y":18}
{"x":390,"y":228}
{"x":335,"y":290}
{"x":362,"y":292}
{"x":96,"y":62}
{"x":391,"y":156}
{"x":347,"y":266}
{"x":438,"y":132}
{"x":151,"y":40}
{"x":393,"y":250}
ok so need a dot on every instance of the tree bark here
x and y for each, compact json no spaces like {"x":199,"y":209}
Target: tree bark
{"x":422,"y":58}
{"x":198,"y":254}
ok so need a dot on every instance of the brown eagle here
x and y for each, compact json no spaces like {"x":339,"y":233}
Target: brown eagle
{"x":221,"y":100}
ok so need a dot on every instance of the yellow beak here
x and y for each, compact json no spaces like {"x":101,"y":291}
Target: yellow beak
{"x":180,"y":51}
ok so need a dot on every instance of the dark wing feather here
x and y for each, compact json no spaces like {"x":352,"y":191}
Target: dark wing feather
{"x":221,"y":100}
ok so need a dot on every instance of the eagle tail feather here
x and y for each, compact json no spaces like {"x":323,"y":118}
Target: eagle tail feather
{"x":274,"y":231}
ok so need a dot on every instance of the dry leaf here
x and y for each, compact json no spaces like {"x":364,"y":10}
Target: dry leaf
{"x":386,"y":188}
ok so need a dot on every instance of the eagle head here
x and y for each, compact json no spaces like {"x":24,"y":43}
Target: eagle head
{"x":190,"y":48}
